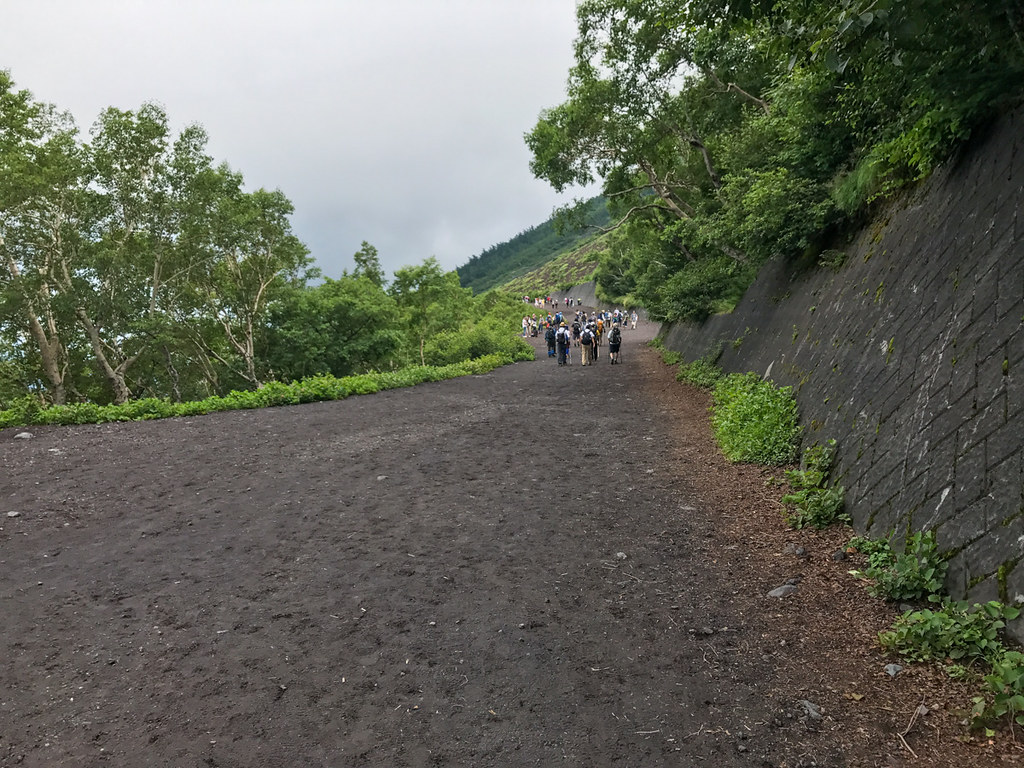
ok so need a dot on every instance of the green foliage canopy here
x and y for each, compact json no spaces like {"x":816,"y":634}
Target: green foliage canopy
{"x":133,"y":269}
{"x":726,"y":134}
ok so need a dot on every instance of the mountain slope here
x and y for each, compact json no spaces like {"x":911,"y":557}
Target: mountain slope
{"x":571,"y":268}
{"x":529,"y":250}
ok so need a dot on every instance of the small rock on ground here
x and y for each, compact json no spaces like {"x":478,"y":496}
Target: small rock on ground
{"x":813,"y":710}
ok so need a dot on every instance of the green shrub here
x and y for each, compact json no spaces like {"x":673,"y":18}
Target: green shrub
{"x":956,"y":630}
{"x":755,"y":421}
{"x":1004,"y":694}
{"x":970,"y":637}
{"x":28,"y":410}
{"x":449,"y":347}
{"x":700,"y":373}
{"x":74,"y":413}
{"x":916,"y":573}
{"x":812,"y":501}
{"x":22,"y":411}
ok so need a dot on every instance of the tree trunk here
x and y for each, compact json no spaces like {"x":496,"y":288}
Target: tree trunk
{"x":49,"y":356}
{"x":712,"y":173}
{"x":116,"y":376}
{"x":49,"y":346}
{"x":173,"y":373}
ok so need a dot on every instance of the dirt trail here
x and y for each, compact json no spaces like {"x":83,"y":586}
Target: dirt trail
{"x":538,"y":566}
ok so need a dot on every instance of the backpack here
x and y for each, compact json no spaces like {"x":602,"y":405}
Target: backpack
{"x":587,"y":338}
{"x":549,"y":335}
{"x":615,"y":336}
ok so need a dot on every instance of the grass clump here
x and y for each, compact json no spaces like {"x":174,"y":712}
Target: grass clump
{"x":700,"y":373}
{"x":754,"y":420}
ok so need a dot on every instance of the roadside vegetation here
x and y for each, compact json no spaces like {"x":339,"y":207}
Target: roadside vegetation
{"x":134,"y":269}
{"x":29,"y":411}
{"x":726,"y":134}
{"x":756,"y":422}
{"x":964,"y":639}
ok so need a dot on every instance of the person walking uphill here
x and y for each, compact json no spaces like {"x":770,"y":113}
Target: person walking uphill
{"x":587,"y":346}
{"x":614,"y":342}
{"x":549,"y":337}
{"x":562,"y":340}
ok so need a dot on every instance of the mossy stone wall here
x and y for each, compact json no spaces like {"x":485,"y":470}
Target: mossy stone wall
{"x":911,"y":355}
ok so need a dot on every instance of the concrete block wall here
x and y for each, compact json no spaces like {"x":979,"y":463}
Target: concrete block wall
{"x":911,"y":356}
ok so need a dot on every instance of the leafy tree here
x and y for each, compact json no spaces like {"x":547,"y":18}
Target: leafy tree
{"x":341,"y":327}
{"x":368,"y":264}
{"x":430,"y":299}
{"x":40,"y":172}
{"x":117,"y":278}
{"x":255,"y":255}
{"x":742,"y":131}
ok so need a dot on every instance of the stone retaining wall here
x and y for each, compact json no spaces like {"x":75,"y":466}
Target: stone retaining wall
{"x":911,"y":355}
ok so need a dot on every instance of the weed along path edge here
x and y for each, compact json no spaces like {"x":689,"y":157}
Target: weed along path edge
{"x":536,"y":566}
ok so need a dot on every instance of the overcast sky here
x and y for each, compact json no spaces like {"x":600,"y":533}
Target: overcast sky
{"x":398,"y":122}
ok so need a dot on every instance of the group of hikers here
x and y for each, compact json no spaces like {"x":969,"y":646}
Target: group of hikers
{"x":551,"y":301}
{"x":587,"y":334}
{"x":535,"y":326}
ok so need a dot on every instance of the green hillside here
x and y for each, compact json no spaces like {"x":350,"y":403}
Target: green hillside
{"x":529,"y":250}
{"x":568,"y":269}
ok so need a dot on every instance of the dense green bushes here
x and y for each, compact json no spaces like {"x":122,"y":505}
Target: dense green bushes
{"x":754,"y":420}
{"x":449,"y":347}
{"x":726,"y":134}
{"x":700,"y":373}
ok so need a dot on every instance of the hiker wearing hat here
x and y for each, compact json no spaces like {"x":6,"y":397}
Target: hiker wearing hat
{"x":562,"y":344}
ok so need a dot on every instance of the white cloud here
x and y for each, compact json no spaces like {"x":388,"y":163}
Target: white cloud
{"x":399,"y":122}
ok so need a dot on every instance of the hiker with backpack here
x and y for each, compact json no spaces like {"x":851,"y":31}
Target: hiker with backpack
{"x":562,"y":340}
{"x":587,"y":344}
{"x":614,"y":342}
{"x":549,"y":337}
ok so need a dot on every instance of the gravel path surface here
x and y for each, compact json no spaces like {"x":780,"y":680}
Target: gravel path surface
{"x":538,"y":566}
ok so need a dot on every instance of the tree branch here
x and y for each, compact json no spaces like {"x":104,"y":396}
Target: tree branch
{"x":733,"y":87}
{"x":629,"y":213}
